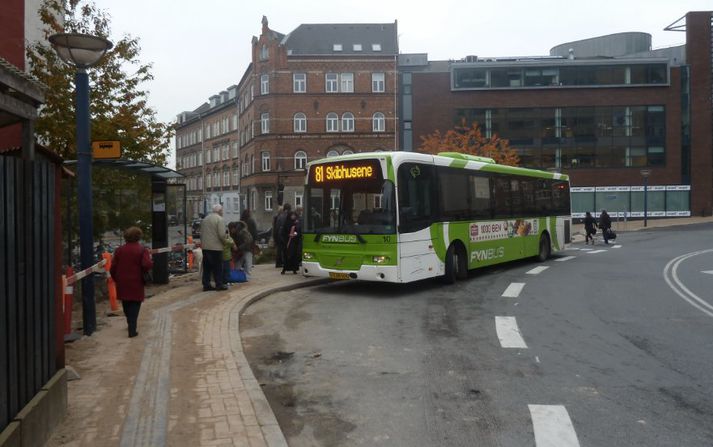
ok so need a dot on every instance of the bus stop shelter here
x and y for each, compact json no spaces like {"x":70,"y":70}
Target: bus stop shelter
{"x":163,"y":179}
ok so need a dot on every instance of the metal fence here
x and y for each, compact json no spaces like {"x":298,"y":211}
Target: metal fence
{"x":27,"y":282}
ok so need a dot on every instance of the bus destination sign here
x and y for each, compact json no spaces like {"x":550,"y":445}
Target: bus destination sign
{"x":345,"y":171}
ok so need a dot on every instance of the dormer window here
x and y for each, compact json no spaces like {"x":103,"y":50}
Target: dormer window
{"x":375,"y":47}
{"x":337,"y":47}
{"x":264,"y":53}
{"x":357,"y":47}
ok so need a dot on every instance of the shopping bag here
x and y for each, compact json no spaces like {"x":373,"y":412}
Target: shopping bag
{"x":237,"y":275}
{"x":611,"y":234}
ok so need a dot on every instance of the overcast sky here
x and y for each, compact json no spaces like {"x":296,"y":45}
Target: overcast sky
{"x":199,"y":48}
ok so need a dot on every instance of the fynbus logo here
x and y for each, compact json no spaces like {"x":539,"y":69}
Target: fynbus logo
{"x":339,"y":238}
{"x":487,"y":254}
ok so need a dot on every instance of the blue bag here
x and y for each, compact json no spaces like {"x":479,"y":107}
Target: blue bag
{"x":237,"y":275}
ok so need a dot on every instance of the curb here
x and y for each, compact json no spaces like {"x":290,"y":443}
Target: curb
{"x":272,"y":433}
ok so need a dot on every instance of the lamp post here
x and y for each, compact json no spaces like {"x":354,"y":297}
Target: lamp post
{"x":645,"y":174}
{"x":83,"y":51}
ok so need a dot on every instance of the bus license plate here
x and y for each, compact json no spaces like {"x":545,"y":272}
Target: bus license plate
{"x":336,"y":275}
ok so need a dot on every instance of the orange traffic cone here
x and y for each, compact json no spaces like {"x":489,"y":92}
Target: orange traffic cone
{"x":110,"y":285}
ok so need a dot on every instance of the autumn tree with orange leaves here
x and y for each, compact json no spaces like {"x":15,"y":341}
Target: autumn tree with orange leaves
{"x":470,"y":140}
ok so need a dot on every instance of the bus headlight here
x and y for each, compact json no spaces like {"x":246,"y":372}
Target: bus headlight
{"x":307,"y":256}
{"x":380,"y":259}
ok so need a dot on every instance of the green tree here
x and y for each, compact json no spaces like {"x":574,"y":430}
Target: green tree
{"x":119,"y":111}
{"x":118,"y":106}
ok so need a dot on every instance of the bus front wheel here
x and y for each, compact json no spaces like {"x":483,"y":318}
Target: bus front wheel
{"x":545,"y":249}
{"x":456,"y":267}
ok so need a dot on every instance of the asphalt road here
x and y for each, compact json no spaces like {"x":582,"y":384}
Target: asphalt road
{"x":613,"y":347}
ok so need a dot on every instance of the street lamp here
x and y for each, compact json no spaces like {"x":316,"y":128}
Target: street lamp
{"x":645,"y":173}
{"x":83,"y":51}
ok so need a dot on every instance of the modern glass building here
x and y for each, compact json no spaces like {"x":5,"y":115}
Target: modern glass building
{"x":607,"y":111}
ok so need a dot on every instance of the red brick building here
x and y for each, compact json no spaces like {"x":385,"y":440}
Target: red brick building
{"x":601,"y":110}
{"x":207,"y":155}
{"x":321,"y":90}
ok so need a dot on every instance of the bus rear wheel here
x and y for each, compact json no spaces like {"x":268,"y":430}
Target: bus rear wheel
{"x":545,"y":249}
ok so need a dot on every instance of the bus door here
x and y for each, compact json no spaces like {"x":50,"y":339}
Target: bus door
{"x":418,"y":210}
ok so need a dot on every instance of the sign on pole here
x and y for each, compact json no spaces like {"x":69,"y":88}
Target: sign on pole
{"x":106,"y":149}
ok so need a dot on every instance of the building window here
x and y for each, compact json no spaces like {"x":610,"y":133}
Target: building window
{"x":298,"y":200}
{"x":226,"y":177}
{"x":332,"y":122}
{"x":348,"y":122}
{"x":268,"y":200}
{"x":332,"y":153}
{"x":331,"y":81}
{"x":347,"y":152}
{"x":300,"y":160}
{"x":252,"y":164}
{"x":264,"y":53}
{"x":337,"y":47}
{"x":300,"y":122}
{"x":234,"y":152}
{"x":253,"y":199}
{"x":208,"y":181}
{"x":379,"y":122}
{"x":264,"y":84}
{"x":375,"y":47}
{"x":347,"y":82}
{"x":216,"y":180}
{"x":265,"y":123}
{"x":357,"y":47}
{"x":299,"y":82}
{"x":265,"y":157}
{"x":377,"y":83}
{"x":236,"y":176}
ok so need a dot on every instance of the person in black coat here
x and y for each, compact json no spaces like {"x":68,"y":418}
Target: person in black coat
{"x":590,"y":228}
{"x":280,"y":231}
{"x":605,"y":225}
{"x":291,"y":234}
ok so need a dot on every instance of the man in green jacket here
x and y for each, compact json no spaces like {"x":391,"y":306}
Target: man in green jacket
{"x":213,"y":240}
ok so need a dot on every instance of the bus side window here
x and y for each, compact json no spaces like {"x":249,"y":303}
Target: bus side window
{"x":480,"y":196}
{"x":417,"y":192}
{"x":503,"y":202}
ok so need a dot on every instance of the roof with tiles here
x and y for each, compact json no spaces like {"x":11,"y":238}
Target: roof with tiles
{"x":343,"y":39}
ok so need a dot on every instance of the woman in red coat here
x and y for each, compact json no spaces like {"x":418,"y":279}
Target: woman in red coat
{"x":128,"y":265}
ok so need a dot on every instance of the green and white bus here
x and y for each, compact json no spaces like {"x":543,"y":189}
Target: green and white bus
{"x":405,"y":216}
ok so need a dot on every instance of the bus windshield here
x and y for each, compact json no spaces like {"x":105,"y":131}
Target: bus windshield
{"x":352,"y":207}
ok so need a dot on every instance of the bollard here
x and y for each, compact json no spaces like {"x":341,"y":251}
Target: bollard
{"x":67,"y":301}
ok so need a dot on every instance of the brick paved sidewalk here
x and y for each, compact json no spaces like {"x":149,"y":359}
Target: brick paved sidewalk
{"x":184,"y":381}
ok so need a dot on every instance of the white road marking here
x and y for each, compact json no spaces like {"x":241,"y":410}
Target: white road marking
{"x":537,"y":359}
{"x":670,"y":275}
{"x":586,"y":249}
{"x":573,"y":248}
{"x":513,"y":290}
{"x":509,"y":333}
{"x":553,"y":427}
{"x":537,"y":270}
{"x":596,"y":251}
{"x":710,"y":272}
{"x":616,"y":246}
{"x":566,"y":258}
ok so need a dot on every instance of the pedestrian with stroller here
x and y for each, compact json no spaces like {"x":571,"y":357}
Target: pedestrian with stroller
{"x":605,"y":225}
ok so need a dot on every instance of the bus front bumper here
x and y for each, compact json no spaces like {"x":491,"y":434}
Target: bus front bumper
{"x":381,"y":273}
